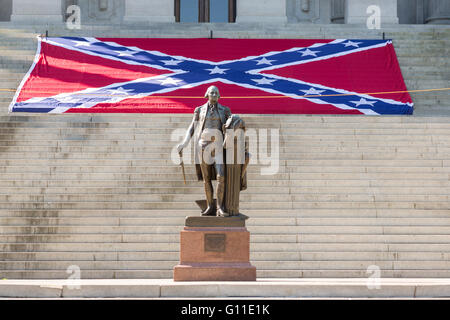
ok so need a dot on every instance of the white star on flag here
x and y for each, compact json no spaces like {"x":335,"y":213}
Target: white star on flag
{"x":168,"y":81}
{"x":68,"y":99}
{"x":312,"y":92}
{"x":264,"y":61}
{"x":171,"y":62}
{"x":363,"y":101}
{"x":308,"y":52}
{"x":82,"y":43}
{"x":127,"y":53}
{"x":352,"y":44}
{"x":264,"y":81}
{"x":217,"y":70}
{"x":120,"y":91}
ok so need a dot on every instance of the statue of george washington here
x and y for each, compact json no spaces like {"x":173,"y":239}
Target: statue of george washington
{"x":208,"y":127}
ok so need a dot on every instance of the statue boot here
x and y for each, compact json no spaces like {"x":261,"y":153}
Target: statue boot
{"x":221,"y":212}
{"x":209,"y":211}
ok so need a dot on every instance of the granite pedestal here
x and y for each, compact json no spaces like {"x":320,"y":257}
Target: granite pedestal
{"x":215,"y":249}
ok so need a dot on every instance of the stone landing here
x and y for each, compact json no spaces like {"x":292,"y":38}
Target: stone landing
{"x":215,"y":249}
{"x":262,"y":288}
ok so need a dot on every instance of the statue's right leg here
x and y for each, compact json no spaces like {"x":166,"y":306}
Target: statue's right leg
{"x":209,"y":191}
{"x":220,"y":169}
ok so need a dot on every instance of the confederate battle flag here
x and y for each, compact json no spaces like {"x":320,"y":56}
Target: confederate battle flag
{"x":262,"y":76}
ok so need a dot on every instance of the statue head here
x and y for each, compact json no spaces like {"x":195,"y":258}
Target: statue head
{"x":212,"y":94}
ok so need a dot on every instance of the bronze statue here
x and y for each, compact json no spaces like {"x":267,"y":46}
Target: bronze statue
{"x":209,"y":125}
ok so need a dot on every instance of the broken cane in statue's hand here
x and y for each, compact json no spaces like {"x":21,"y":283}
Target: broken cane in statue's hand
{"x":182,"y":165}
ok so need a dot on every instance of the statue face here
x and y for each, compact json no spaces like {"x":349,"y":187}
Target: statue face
{"x":213,"y":95}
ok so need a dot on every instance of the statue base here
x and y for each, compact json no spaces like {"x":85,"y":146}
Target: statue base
{"x":215,"y":249}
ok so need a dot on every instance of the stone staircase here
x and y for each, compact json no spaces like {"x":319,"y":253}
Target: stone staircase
{"x":100,"y":192}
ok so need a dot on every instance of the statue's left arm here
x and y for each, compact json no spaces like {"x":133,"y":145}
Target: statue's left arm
{"x":227,"y":114}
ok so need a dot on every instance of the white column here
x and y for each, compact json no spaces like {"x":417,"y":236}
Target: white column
{"x":356,"y":11}
{"x":32,"y":11}
{"x":266,"y":11}
{"x":149,"y":11}
{"x":438,"y":12}
{"x":337,"y":11}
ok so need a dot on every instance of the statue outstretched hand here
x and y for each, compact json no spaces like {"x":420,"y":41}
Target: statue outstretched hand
{"x":180,"y":148}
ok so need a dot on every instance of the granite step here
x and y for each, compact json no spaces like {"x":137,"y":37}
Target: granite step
{"x":262,"y":288}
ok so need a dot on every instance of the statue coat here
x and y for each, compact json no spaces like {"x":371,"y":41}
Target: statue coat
{"x":198,"y":125}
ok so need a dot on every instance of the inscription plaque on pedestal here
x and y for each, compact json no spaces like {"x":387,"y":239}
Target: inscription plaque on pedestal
{"x":215,"y":242}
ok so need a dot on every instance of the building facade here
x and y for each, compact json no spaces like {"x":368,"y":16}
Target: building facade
{"x":113,"y":12}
